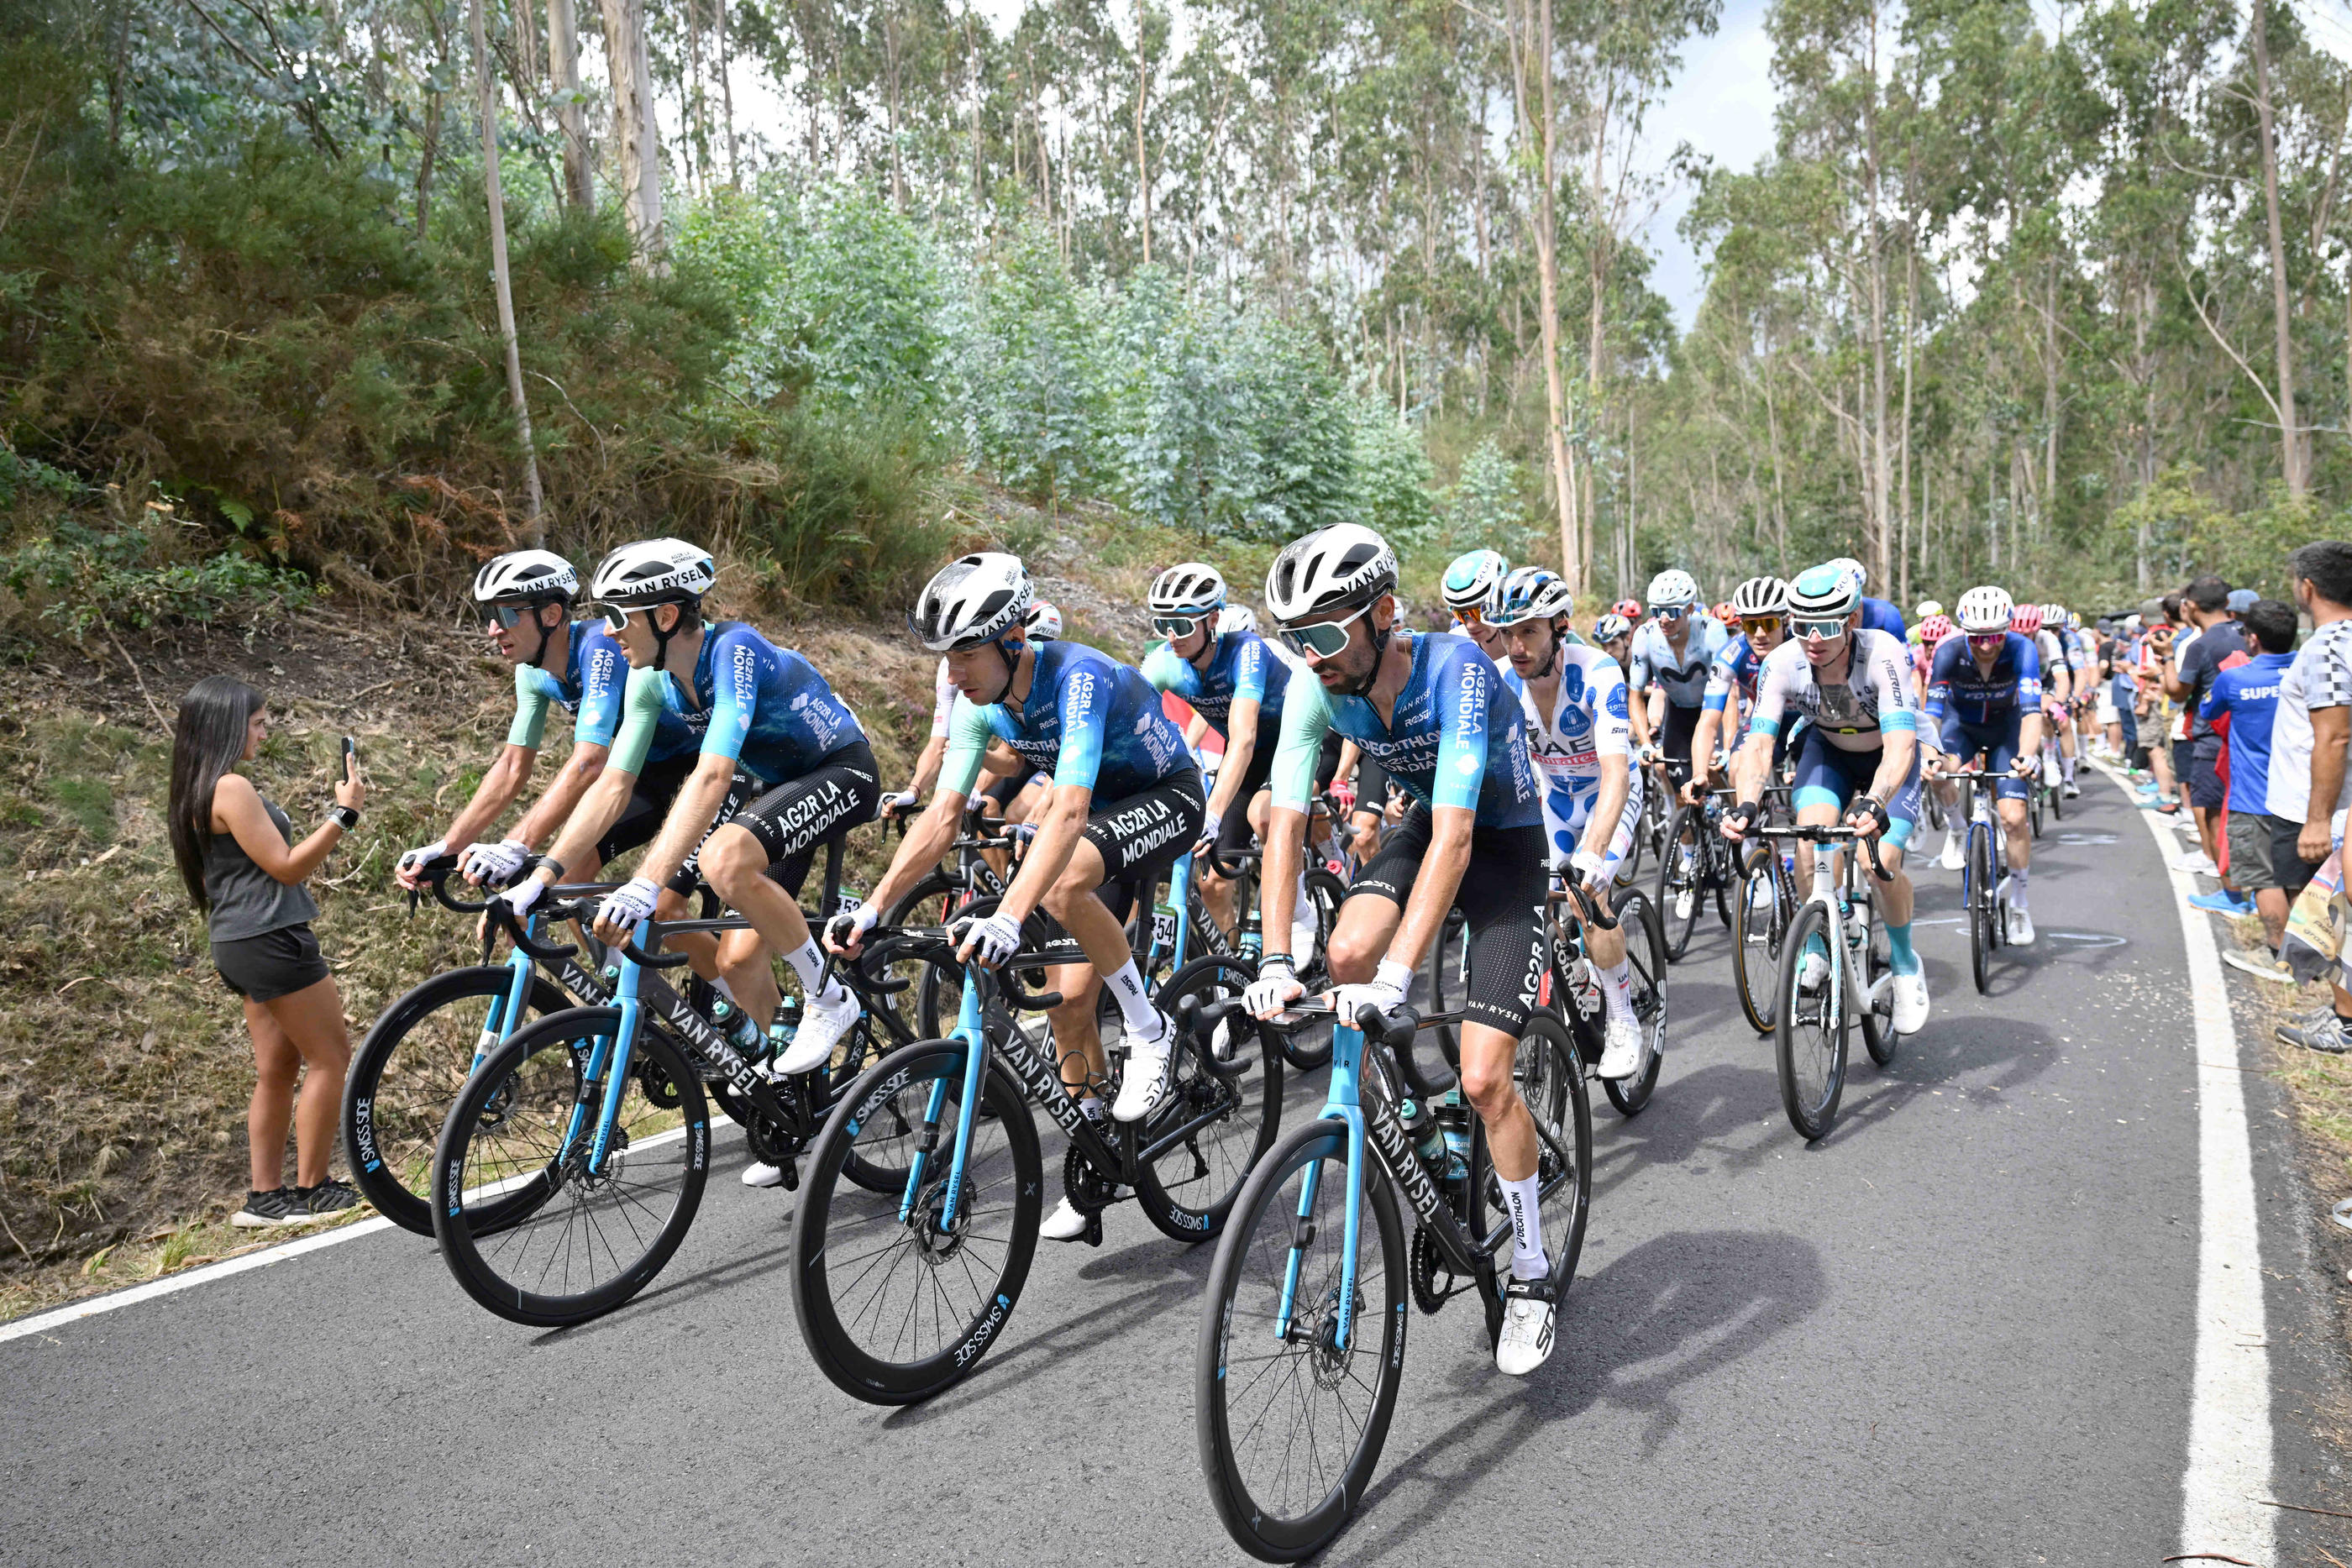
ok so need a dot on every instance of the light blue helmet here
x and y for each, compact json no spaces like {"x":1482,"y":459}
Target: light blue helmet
{"x":1472,"y":578}
{"x":1821,"y":592}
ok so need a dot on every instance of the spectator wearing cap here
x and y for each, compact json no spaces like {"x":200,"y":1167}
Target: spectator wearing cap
{"x":2309,"y":732}
{"x":2197,"y":659}
{"x":2241,"y":707}
{"x":2240,"y":601}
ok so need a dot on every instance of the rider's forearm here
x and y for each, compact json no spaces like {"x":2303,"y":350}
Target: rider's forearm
{"x":1897,"y":751}
{"x":585,"y":766}
{"x":1435,"y":885}
{"x":921,"y":850}
{"x":1710,"y":721}
{"x":598,"y":809}
{"x":927,"y":766}
{"x":1748,"y":767}
{"x":1049,"y":854}
{"x":691,"y":816}
{"x":1608,"y":807}
{"x":497,"y":791}
{"x":1277,"y":883}
{"x":2028,"y":734}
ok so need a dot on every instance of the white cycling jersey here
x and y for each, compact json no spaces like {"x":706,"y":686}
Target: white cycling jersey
{"x":1851,"y":714}
{"x":1588,"y":721}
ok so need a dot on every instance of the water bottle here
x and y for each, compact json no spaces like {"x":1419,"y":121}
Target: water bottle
{"x":787,"y":1024}
{"x":1428,"y":1137}
{"x":1455,"y":1117}
{"x":739,"y":1027}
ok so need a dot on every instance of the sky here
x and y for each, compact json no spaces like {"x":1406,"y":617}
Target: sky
{"x":1721,"y":103}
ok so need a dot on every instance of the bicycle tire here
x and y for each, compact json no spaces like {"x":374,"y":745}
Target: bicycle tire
{"x":1245,"y":1285}
{"x":1192,"y":1207}
{"x":1679,"y":877}
{"x":1550,"y":1076}
{"x":514,"y":1113}
{"x":1977,"y":890}
{"x":2036,"y":793}
{"x":932,"y":993}
{"x":1639,"y":923}
{"x":1753,"y":953}
{"x":839,"y":1224}
{"x":388,"y":1137}
{"x":1878,"y":1036}
{"x":1812,"y":1111}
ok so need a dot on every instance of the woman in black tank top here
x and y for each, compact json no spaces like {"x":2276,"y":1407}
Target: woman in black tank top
{"x":237,"y":855}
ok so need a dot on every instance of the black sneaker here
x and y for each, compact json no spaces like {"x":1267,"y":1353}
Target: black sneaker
{"x":2326,"y":1030}
{"x":263,"y":1210}
{"x":329,"y":1197}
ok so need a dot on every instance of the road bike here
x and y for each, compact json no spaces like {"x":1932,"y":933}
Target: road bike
{"x":1697,"y":861}
{"x":1571,"y":985}
{"x":900,"y":1288}
{"x":1838,"y":927}
{"x":573,"y":1159}
{"x":1982,"y":885}
{"x":1387,"y":1200}
{"x":1762,"y":913}
{"x":1306,"y":1050}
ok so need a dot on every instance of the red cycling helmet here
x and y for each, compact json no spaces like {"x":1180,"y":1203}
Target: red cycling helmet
{"x":1727,"y":615}
{"x":1935,"y":629}
{"x":1631,"y":609}
{"x":2025,"y":620}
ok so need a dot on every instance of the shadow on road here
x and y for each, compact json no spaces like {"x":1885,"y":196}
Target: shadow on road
{"x":1672,"y":1310}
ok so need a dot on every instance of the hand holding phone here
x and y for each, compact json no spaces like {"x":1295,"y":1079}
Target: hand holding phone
{"x":349,"y":791}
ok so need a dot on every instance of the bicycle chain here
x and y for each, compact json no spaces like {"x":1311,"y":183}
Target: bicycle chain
{"x":1090,"y":1192}
{"x":1424,"y":1263}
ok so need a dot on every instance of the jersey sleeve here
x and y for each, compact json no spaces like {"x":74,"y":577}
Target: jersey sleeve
{"x":641,"y":707}
{"x":1249,"y":671}
{"x":1940,"y":687}
{"x":1722,"y":673}
{"x":1886,"y":676}
{"x":1638,"y":677}
{"x":1306,"y":715}
{"x":1085,"y":701}
{"x":534,"y":689}
{"x":943,"y":701}
{"x":2029,"y":676}
{"x":603,"y":680}
{"x":2216,"y":700}
{"x":1613,"y":725}
{"x":734,"y":697}
{"x":1164,"y":670}
{"x":968,"y":733}
{"x":1771,"y":699}
{"x":1464,"y":692}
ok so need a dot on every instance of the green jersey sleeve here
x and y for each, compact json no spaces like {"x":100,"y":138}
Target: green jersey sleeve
{"x":968,"y":735}
{"x":534,"y":689}
{"x":641,"y":709}
{"x":1305,"y":715}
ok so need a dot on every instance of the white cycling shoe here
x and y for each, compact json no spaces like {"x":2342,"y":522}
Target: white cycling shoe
{"x":1623,"y":1057}
{"x":1150,"y":1076}
{"x":2019,"y":933}
{"x":1530,"y":1309}
{"x":759,"y":1173}
{"x":1955,"y":852}
{"x":1910,"y":1002}
{"x":1813,"y":971}
{"x":819,"y":1032}
{"x":1067,"y":1223}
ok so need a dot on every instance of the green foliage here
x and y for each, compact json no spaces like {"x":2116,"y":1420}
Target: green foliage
{"x":1390,"y":488}
{"x":76,"y":576}
{"x":1486,"y":505}
{"x":1029,"y":358}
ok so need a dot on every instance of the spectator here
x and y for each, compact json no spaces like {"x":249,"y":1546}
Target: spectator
{"x":2214,"y":639}
{"x":2309,"y":735}
{"x":2155,"y":708}
{"x":2241,"y":705}
{"x":235,"y":856}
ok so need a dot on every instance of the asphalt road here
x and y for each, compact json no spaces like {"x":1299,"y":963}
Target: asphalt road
{"x":1957,"y":1330}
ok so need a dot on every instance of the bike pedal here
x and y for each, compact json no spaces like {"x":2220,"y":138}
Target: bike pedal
{"x":1094,"y":1236}
{"x":792,"y":1169}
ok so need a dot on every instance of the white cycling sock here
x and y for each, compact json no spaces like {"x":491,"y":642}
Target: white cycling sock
{"x":1519,"y":1200}
{"x":1618,"y":992}
{"x":2066,"y":766}
{"x":2017,"y":887}
{"x":1091,"y":1107}
{"x":809,"y":965}
{"x":1144,"y":1025}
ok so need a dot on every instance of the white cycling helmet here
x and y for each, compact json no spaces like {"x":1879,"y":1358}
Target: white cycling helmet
{"x":1761,"y":596}
{"x":1337,"y":568}
{"x":1472,"y":578}
{"x":1611,"y":627}
{"x":1982,"y":611}
{"x":2053,"y":614}
{"x":1824,"y":592}
{"x":526,"y":577}
{"x":1043,"y":623}
{"x":1530,"y":593}
{"x":1237,"y":618}
{"x":1846,"y":563}
{"x":1192,"y":589}
{"x":1928,"y":610}
{"x":654,"y":571}
{"x":1672,"y":589}
{"x":972,"y":601}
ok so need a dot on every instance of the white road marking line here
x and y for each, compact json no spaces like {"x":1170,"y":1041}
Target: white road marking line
{"x":2230,"y":1397}
{"x":171,"y":1284}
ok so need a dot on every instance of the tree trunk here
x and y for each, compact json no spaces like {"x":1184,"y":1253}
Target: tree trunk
{"x":429,"y":152}
{"x":636,"y":135}
{"x":1142,"y":160}
{"x":1537,"y":41}
{"x":487,"y":91}
{"x":1879,"y":479}
{"x":563,"y":69}
{"x":2291,"y":435}
{"x":727,"y":103}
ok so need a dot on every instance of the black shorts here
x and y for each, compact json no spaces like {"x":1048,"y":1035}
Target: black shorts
{"x":791,"y":820}
{"x":1002,"y":790}
{"x":649,"y":808}
{"x":1234,"y":832}
{"x":1327,"y":759}
{"x":2289,"y":870}
{"x":1372,"y":787}
{"x":1141,"y":836}
{"x":273,"y":965}
{"x":1502,"y":902}
{"x":2204,"y":777}
{"x":1674,"y":738}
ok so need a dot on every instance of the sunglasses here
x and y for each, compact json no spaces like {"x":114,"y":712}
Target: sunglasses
{"x":1323,"y":639}
{"x":507,"y":615}
{"x":1985,"y":641}
{"x":1473,"y":616}
{"x":1766,"y":624}
{"x":1819,"y":631}
{"x":616,"y":617}
{"x":1669,"y":611}
{"x":1176,"y":625}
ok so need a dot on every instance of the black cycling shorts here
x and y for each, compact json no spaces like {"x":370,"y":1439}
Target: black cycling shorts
{"x":1372,"y":787}
{"x":649,"y":808}
{"x":1327,"y":759}
{"x":1234,"y":832}
{"x":1502,"y":902}
{"x":1141,"y":836}
{"x":796,"y":816}
{"x":1675,"y":737}
{"x":1001,"y":788}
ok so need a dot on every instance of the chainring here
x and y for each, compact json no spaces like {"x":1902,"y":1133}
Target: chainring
{"x":770,"y":1140}
{"x":1090,"y":1191}
{"x":1426,"y":1263}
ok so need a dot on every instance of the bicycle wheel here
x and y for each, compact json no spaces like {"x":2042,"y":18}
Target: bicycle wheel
{"x":523,"y":1131}
{"x":1191,"y":1155}
{"x":895,"y":1311}
{"x":407,"y":1074}
{"x":1310,"y":1048}
{"x":2038,"y":790}
{"x":931,"y":990}
{"x":1629,"y":870}
{"x":1976,"y":890}
{"x":1682,"y":867}
{"x":1290,"y":1425}
{"x":1878,"y":1036}
{"x":1810,"y":1034}
{"x":1646,"y":950}
{"x":1753,"y":955}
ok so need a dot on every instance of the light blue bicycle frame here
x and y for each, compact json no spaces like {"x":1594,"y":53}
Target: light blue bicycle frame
{"x":1345,"y":1105}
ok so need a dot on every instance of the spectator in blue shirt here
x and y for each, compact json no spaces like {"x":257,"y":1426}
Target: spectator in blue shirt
{"x":2240,"y":703}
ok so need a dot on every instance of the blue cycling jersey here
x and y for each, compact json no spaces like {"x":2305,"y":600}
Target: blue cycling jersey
{"x":1241,"y":666}
{"x":1734,"y":670}
{"x":761,"y":706}
{"x":1456,"y":737}
{"x":591,"y":688}
{"x":1880,"y":615}
{"x":1980,"y":697}
{"x":1088,"y":720}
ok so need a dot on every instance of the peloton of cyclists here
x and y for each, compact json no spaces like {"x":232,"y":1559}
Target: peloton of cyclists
{"x":1762,"y":605}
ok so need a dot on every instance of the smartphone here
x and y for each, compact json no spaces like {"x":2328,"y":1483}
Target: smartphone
{"x":351,"y":757}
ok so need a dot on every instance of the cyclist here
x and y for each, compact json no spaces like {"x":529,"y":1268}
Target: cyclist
{"x":1581,"y":741}
{"x":1434,"y":713}
{"x":1859,"y":755}
{"x":1671,"y":654}
{"x":1234,"y":683}
{"x":524,"y":598}
{"x":1762,"y":604}
{"x":1126,"y":801}
{"x":1877,"y":614}
{"x":2061,"y":624}
{"x":1984,"y":693}
{"x":1728,"y":616}
{"x":2057,"y":683}
{"x":1613,"y":635}
{"x":1631,"y":609}
{"x":764,"y":711}
{"x":1470,"y":582}
{"x":1929,"y":609}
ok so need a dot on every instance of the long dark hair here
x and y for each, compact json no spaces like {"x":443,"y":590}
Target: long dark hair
{"x":207,"y":742}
